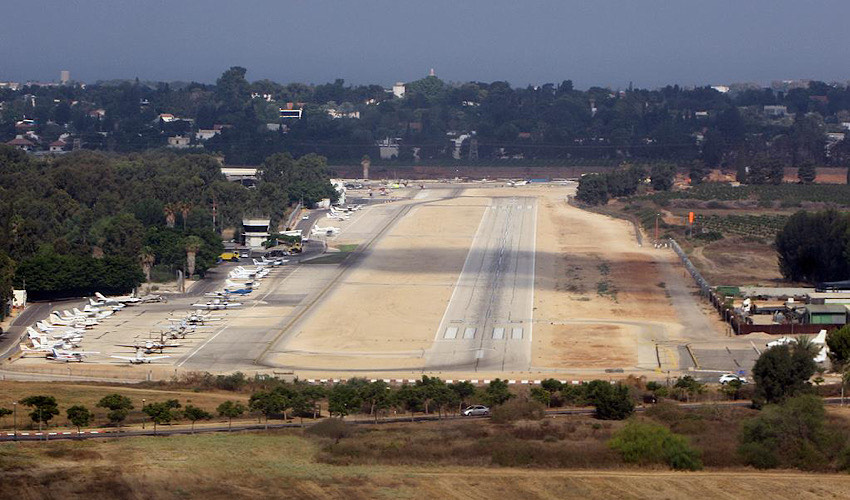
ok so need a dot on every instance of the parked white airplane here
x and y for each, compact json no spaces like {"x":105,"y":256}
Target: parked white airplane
{"x":216,"y":304}
{"x":92,"y":314}
{"x":122,"y":299}
{"x":111,"y":304}
{"x":68,"y":356}
{"x":517,"y":183}
{"x":48,"y":328}
{"x":139,"y":358}
{"x":55,"y":320}
{"x":69,"y":336}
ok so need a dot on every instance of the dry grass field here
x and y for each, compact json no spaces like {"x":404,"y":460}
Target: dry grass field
{"x":392,"y":461}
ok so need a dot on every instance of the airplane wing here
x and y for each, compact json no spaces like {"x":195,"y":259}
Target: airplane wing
{"x":154,"y":358}
{"x":125,"y":358}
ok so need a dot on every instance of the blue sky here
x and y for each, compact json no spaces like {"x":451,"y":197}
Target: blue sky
{"x":605,"y":42}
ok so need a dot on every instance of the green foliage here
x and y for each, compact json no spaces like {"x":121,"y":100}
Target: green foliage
{"x":44,"y":408}
{"x":782,"y":372}
{"x":593,"y":189}
{"x":50,"y":275}
{"x":646,"y":443}
{"x":119,"y":407}
{"x":79,"y":416}
{"x":497,"y":392}
{"x":612,"y":401}
{"x":343,"y":399}
{"x":160,"y":413}
{"x":231,"y":409}
{"x":662,"y":176}
{"x":193,"y":414}
{"x":838,"y":342}
{"x":807,"y":173}
{"x":812,"y":246}
{"x":7,"y":273}
{"x":791,"y":434}
{"x":268,"y":403}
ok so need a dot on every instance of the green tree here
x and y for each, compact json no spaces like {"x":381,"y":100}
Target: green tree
{"x":592,"y":189}
{"x":377,"y":395}
{"x":409,"y":398}
{"x":782,"y":372}
{"x":44,"y":408}
{"x":7,"y":273}
{"x":268,"y":403}
{"x":612,"y":401}
{"x":497,"y":392}
{"x":119,"y":407}
{"x":463,"y":390}
{"x":161,"y":413}
{"x":690,"y":386}
{"x":343,"y":399}
{"x":232,"y":89}
{"x":147,"y":259}
{"x":698,"y":172}
{"x":807,"y":173}
{"x":838,"y":342}
{"x":662,"y":175}
{"x":193,"y":414}
{"x":79,"y":416}
{"x":4,"y":412}
{"x":542,"y":396}
{"x":231,"y":410}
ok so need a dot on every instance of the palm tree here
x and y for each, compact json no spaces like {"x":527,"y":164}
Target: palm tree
{"x":185,"y":208}
{"x":192,"y":244}
{"x":170,"y":211}
{"x":146,"y":259}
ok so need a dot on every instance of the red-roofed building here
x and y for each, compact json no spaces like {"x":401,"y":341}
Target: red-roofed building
{"x":21,"y":143}
{"x":57,"y":146}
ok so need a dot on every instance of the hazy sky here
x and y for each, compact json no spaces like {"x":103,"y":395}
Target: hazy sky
{"x":592,"y":42}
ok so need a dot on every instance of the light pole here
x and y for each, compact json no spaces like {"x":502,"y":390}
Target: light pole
{"x":15,"y":418}
{"x":143,"y":414}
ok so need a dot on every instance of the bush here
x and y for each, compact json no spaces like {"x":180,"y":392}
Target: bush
{"x":791,"y":434}
{"x":647,"y":443}
{"x":518,"y":409}
{"x":332,"y":428}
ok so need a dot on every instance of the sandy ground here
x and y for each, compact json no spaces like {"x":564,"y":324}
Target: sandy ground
{"x":598,"y":295}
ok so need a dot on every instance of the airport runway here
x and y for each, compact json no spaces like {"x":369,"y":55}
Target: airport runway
{"x":487,"y":325}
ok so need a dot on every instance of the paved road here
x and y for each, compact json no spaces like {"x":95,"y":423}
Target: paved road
{"x":35,"y":311}
{"x":487,"y":325}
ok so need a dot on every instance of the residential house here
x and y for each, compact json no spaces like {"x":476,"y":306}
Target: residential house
{"x":178,"y":141}
{"x":57,"y":146}
{"x":21,"y":143}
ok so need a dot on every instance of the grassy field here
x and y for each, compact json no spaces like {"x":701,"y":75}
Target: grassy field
{"x":294,"y":465}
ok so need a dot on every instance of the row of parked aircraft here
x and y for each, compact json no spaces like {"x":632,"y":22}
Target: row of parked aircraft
{"x":58,"y":336}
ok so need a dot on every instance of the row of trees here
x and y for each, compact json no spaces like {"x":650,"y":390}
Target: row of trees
{"x":545,"y":121}
{"x":598,"y":188}
{"x":91,"y":221}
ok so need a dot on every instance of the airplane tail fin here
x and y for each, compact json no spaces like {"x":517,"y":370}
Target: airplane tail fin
{"x":820,"y":338}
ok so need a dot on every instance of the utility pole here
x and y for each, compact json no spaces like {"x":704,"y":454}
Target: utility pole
{"x":143,"y":414}
{"x":15,"y":418}
{"x":656,"y":227}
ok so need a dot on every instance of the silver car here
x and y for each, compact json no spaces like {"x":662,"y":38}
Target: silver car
{"x":476,"y":410}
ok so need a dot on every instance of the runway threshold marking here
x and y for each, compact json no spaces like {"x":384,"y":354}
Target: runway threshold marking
{"x":460,"y":275}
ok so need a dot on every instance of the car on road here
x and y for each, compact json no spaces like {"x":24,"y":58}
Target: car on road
{"x":475,"y":411}
{"x":306,"y":217}
{"x":731,"y":377}
{"x":244,"y":255}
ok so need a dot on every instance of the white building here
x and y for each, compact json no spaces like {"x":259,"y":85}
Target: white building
{"x":398,"y":89}
{"x":206,"y":134}
{"x":178,"y":141}
{"x":388,"y":148}
{"x":255,"y":232}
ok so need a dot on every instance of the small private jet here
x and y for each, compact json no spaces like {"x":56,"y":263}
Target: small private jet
{"x":68,"y":356}
{"x":139,"y":358}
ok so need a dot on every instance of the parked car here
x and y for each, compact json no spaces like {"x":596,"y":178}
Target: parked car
{"x":306,"y":217}
{"x":244,"y":255}
{"x":730,"y":377}
{"x":475,"y":410}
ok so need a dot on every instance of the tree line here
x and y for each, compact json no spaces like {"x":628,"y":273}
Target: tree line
{"x":549,"y":121}
{"x":90,"y":221}
{"x":814,"y":247}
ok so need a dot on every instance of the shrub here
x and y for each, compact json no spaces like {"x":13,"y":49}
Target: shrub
{"x":648,"y":443}
{"x":332,"y":428}
{"x":791,"y":434}
{"x":518,"y":409}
